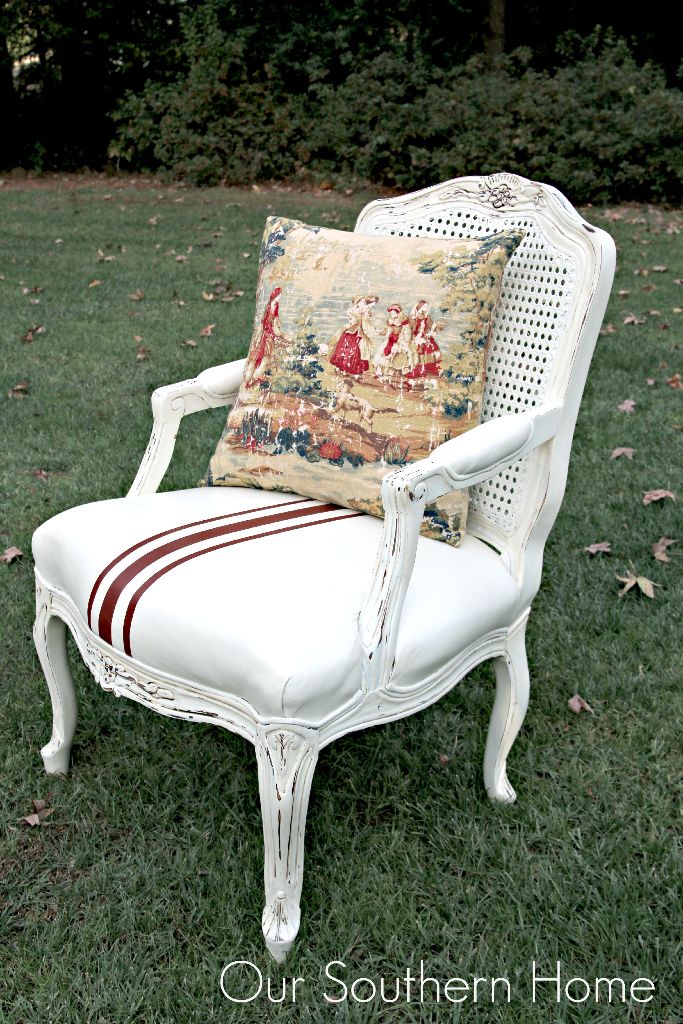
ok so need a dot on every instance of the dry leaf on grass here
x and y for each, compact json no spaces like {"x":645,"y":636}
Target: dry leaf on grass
{"x":95,"y":283}
{"x":41,"y":811}
{"x":137,"y":295}
{"x":628,"y":405}
{"x":207,"y":331}
{"x":624,"y":291}
{"x":602,"y":547}
{"x":577,"y":704}
{"x":101,"y":258}
{"x":40,"y":474}
{"x":31,"y":333}
{"x":443,"y":760}
{"x":618,"y":452}
{"x":675,"y":382}
{"x":11,"y":555}
{"x":608,"y":329}
{"x":641,"y":583}
{"x":181,"y":259}
{"x":141,"y":351}
{"x":659,"y":269}
{"x":659,"y":549}
{"x":189,"y":343}
{"x":657,"y":495}
{"x":19,"y":390}
{"x":631,"y":319}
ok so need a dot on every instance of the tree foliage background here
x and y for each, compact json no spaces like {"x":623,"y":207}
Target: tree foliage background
{"x":398,"y":93}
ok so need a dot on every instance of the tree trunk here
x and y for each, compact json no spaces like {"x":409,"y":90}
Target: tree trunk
{"x":7,"y":103}
{"x":495,"y":35}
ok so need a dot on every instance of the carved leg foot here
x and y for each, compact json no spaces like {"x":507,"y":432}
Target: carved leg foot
{"x":49,"y":634}
{"x":286,"y":760}
{"x":509,"y":709}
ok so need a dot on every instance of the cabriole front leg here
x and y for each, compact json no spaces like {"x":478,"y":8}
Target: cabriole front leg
{"x":49,"y":634}
{"x":286,"y":757}
{"x":509,"y":708}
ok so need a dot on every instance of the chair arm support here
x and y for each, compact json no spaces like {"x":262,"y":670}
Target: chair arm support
{"x":468,"y":459}
{"x":211,"y":389}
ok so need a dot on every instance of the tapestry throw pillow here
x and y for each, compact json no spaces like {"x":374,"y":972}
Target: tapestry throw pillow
{"x":368,"y":351}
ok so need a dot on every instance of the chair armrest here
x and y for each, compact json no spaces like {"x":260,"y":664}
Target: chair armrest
{"x":468,"y":459}
{"x":211,"y":389}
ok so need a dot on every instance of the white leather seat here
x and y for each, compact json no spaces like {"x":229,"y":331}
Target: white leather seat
{"x":267,"y":616}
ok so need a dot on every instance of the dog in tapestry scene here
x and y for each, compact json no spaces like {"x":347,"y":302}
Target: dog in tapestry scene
{"x":347,"y":402}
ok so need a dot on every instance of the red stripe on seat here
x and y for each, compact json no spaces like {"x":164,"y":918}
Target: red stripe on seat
{"x":166,"y":533}
{"x":133,"y":603}
{"x":131,"y":571}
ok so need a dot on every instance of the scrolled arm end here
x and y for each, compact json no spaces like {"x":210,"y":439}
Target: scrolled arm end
{"x":211,"y":389}
{"x":461,"y":462}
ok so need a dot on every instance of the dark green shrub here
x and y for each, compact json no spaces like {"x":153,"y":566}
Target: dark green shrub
{"x":599,"y":126}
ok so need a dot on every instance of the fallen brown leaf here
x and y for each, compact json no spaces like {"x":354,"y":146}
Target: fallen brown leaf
{"x":20,"y":390}
{"x":41,"y":811}
{"x":657,"y":495}
{"x":207,"y":331}
{"x":189,"y":343}
{"x":602,"y":547}
{"x":631,"y":319}
{"x":443,"y":760}
{"x":31,"y":333}
{"x":181,"y":259}
{"x":608,"y":329}
{"x":141,"y":351}
{"x":649,"y":288}
{"x":624,"y":291}
{"x":577,"y":704}
{"x":617,"y":452}
{"x":101,"y":258}
{"x":659,"y":549}
{"x":659,"y":269}
{"x":628,"y":405}
{"x":675,"y":382}
{"x":208,"y":296}
{"x":41,"y":475}
{"x":641,"y":583}
{"x":94,"y":283}
{"x":137,"y":295}
{"x":11,"y":555}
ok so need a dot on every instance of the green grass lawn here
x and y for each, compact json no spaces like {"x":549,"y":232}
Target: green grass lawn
{"x":147,"y":877}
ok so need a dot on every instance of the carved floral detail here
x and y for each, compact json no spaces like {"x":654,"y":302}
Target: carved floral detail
{"x":499,"y":191}
{"x":113,"y":677}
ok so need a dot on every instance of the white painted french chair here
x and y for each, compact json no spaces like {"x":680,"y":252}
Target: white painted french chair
{"x":160,"y":591}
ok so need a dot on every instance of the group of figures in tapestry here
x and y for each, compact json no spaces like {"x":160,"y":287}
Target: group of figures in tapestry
{"x":405,"y":351}
{"x":402,"y":352}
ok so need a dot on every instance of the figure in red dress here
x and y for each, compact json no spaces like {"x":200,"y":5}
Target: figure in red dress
{"x":352,"y":349}
{"x":259,"y":360}
{"x":427,"y":351}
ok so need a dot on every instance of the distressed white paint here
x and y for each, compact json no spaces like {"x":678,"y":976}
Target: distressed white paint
{"x":554,"y":294}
